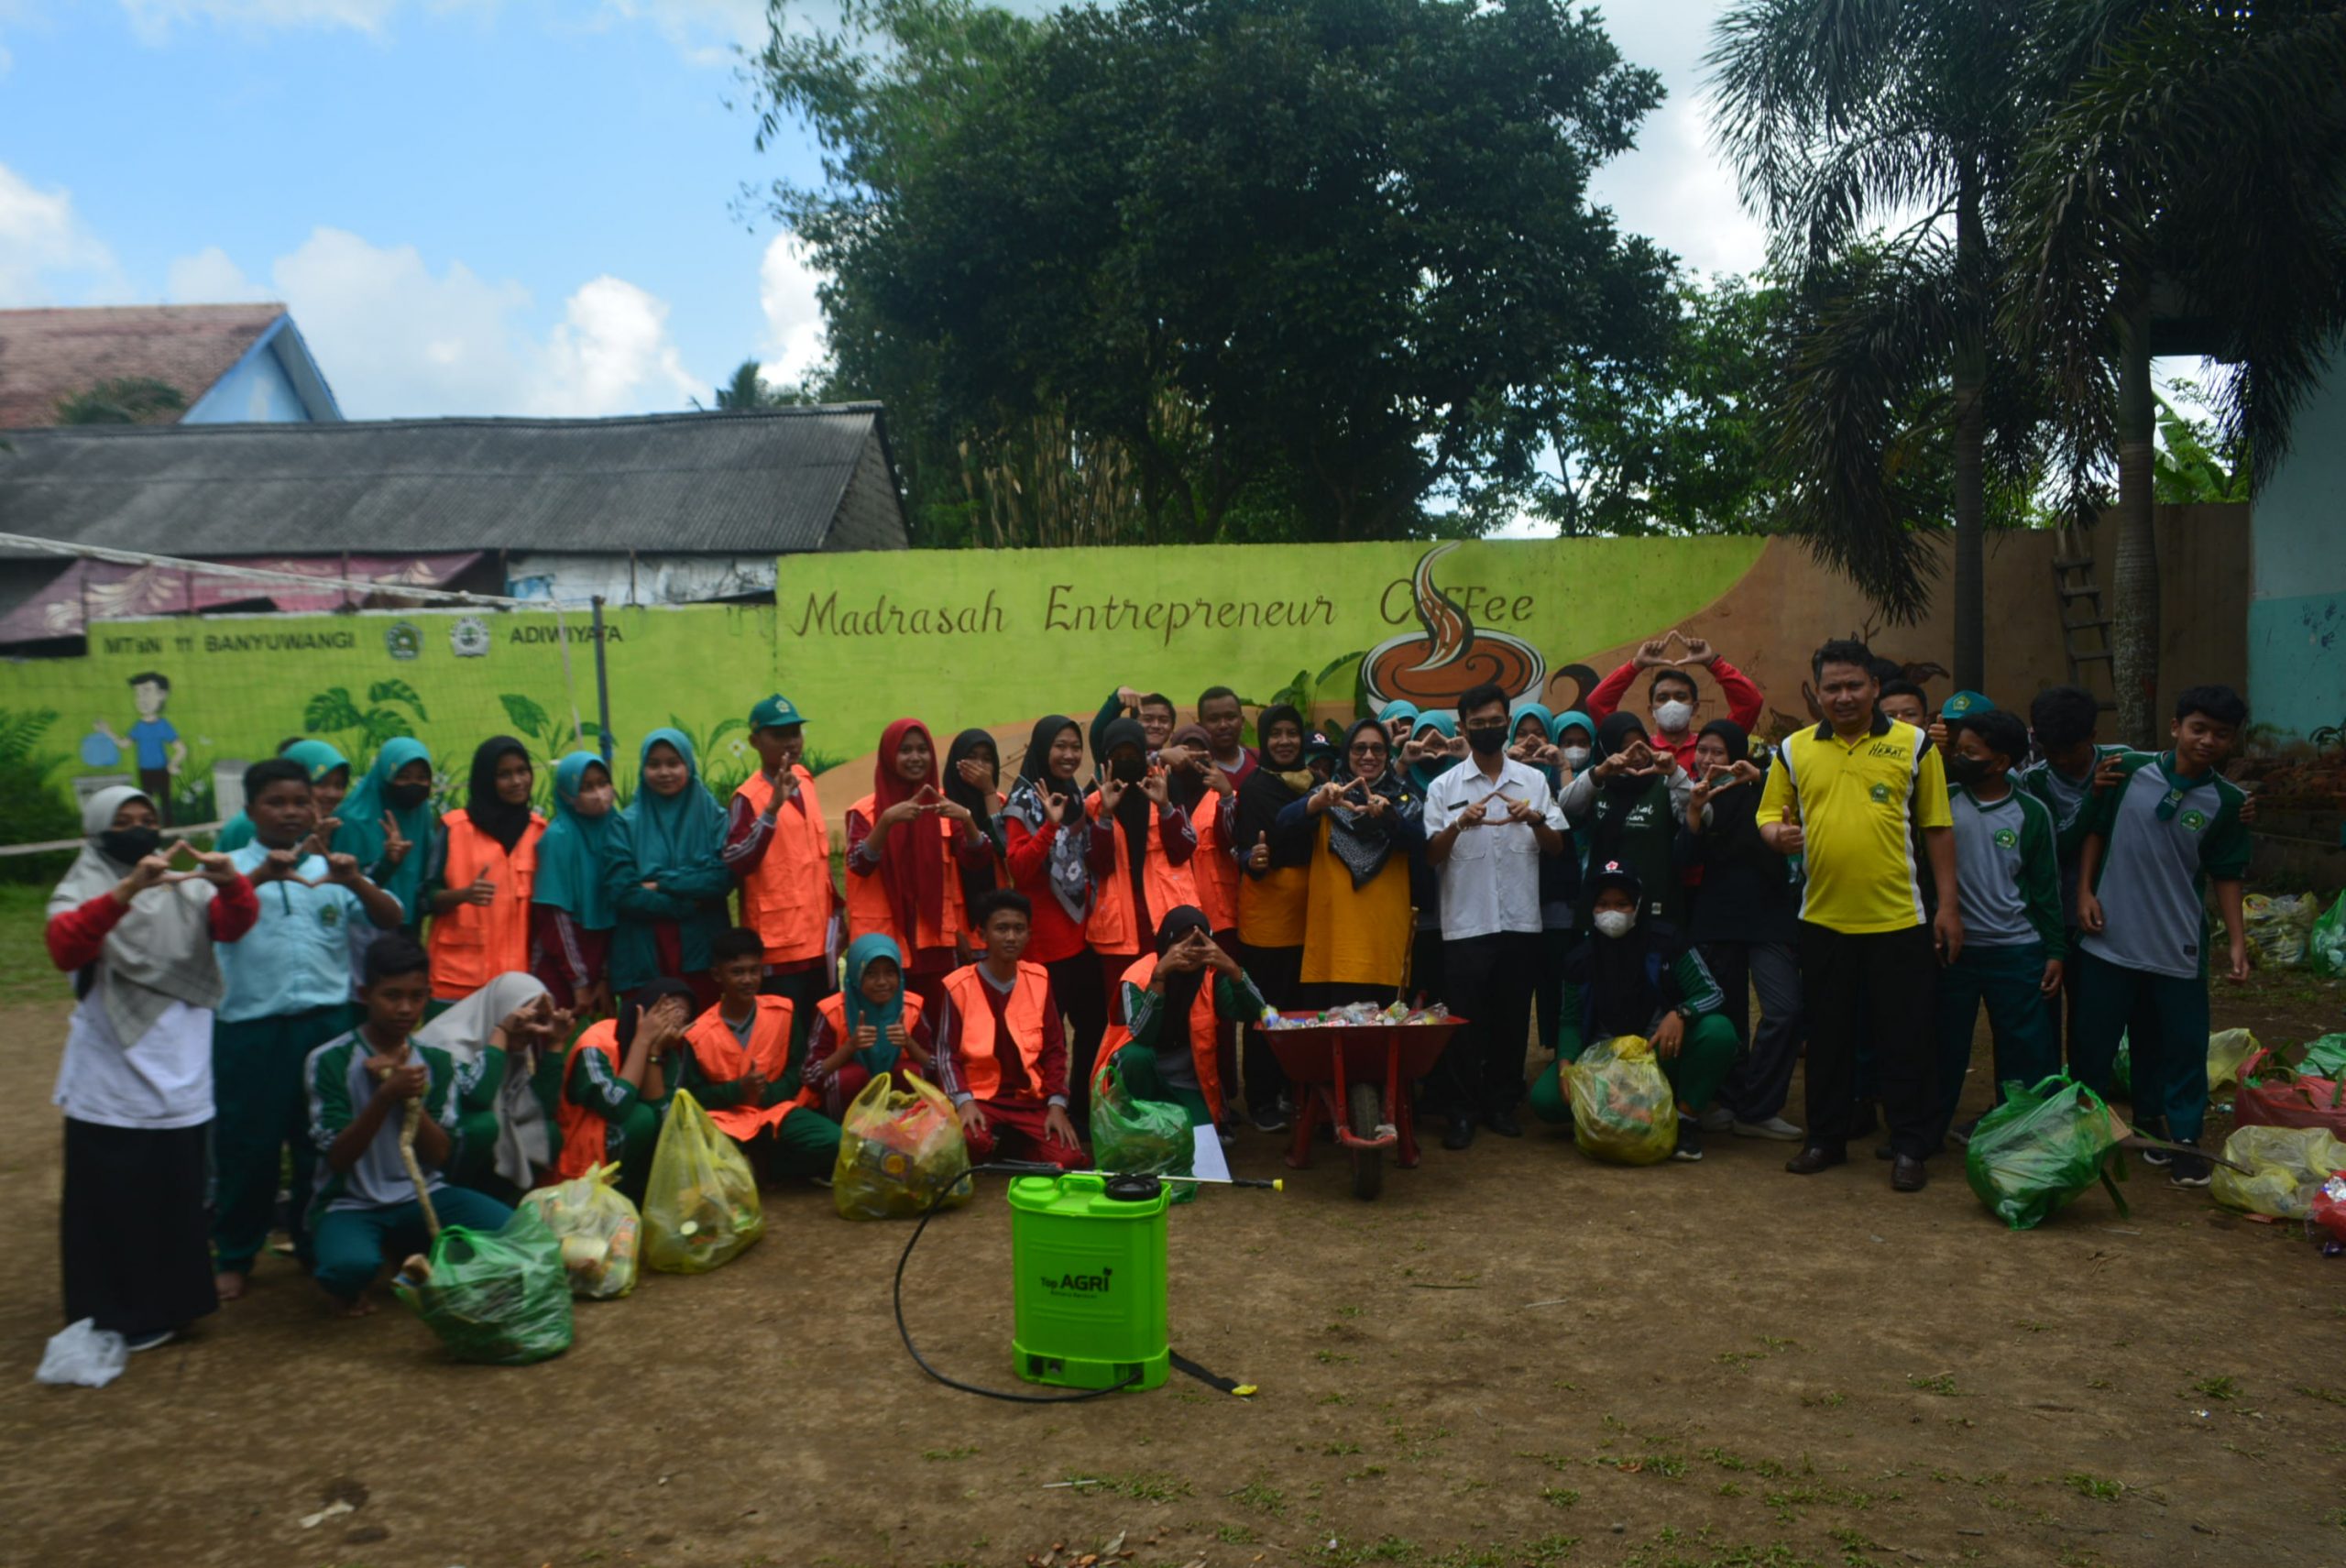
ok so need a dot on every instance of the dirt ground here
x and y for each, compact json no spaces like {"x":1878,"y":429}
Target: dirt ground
{"x":1516,"y":1356}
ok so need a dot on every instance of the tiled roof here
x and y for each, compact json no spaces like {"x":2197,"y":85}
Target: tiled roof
{"x":49,"y":355}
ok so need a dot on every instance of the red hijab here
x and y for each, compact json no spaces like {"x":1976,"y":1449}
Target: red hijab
{"x":912,"y":868}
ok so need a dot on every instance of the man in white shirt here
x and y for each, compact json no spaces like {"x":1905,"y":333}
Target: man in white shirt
{"x":1487,"y":823}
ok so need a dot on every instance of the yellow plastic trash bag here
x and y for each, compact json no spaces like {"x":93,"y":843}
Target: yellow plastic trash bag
{"x":899,"y":1147}
{"x":1623,"y":1110}
{"x":598,"y":1229}
{"x":2226,"y":1050}
{"x":700,"y":1207}
{"x":2288,"y":1166}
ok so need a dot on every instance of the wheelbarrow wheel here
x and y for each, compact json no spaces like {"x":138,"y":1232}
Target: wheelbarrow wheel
{"x":1368,"y":1165}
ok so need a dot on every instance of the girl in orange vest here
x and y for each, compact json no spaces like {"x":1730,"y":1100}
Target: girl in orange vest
{"x":869,"y":1026}
{"x":905,"y":843}
{"x":1002,"y":1049}
{"x":1057,"y":856}
{"x":737,"y":1063}
{"x":1154,"y":844}
{"x":485,"y":863}
{"x":1271,"y":893}
{"x":616,"y":1086}
{"x":1199,"y":787}
{"x":1165,"y":1045}
{"x":779,"y":848}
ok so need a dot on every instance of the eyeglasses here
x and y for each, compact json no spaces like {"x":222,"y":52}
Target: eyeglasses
{"x":1368,"y":750}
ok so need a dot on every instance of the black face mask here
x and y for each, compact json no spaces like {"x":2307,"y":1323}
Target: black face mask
{"x":1128,"y":770}
{"x":406,"y":797}
{"x":128,"y":845}
{"x":1964,"y":771}
{"x":1488,"y":741}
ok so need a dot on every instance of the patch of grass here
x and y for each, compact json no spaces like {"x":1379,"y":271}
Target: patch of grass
{"x":1330,"y":1357}
{"x":2030,"y":1325}
{"x":2218,"y":1387}
{"x":1236,"y":1535}
{"x":1670,"y":1466}
{"x":1729,"y":1490}
{"x":1942,"y":1384}
{"x":1337,"y":1449}
{"x":1145,"y":1486}
{"x":25,"y":973}
{"x":1552,"y":1460}
{"x":2099,"y":1383}
{"x":1831,"y":1400}
{"x":939,"y":1454}
{"x":1790,"y":1500}
{"x":1334,"y":1399}
{"x":1366,"y":1472}
{"x":1558,"y":1497}
{"x":2327,"y":1395}
{"x":1261,"y":1495}
{"x":2094,"y":1486}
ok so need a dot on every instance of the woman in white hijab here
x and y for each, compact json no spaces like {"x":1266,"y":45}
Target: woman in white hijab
{"x":135,"y":928}
{"x":504,"y":1138}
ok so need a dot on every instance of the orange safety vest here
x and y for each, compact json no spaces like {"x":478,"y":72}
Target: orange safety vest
{"x":973,"y":1053}
{"x":1217,"y":878}
{"x":867,"y":896}
{"x":788,"y":901}
{"x":473,"y":943}
{"x":832,"y":1010}
{"x":1205,"y":1034}
{"x":724,"y":1059}
{"x":1114,"y":925}
{"x":582,"y":1130}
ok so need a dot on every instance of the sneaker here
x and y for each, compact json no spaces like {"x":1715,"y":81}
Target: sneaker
{"x":1717,"y":1119}
{"x":1690,"y":1140}
{"x":2160,"y":1157}
{"x":2190,"y":1170}
{"x":1774,"y":1127}
{"x":1268,"y":1120}
{"x":148,"y":1341}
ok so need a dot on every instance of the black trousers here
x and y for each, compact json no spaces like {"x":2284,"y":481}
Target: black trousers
{"x":1081,"y":992}
{"x":132,"y":1233}
{"x":1883,"y":983}
{"x":1488,"y":981}
{"x":1277,"y":973}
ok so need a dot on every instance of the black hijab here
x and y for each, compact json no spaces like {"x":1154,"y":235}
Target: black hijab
{"x":504,"y":823}
{"x":1134,"y":809}
{"x":975,"y":880}
{"x":1613,"y":736}
{"x":1035,"y":767}
{"x":1622,"y":986}
{"x":1731,"y":811}
{"x":1271,"y":789}
{"x":1181,"y":990}
{"x":640,"y":1000}
{"x":1362,"y":841}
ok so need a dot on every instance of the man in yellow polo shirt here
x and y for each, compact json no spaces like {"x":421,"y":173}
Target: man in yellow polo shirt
{"x":1846,"y":795}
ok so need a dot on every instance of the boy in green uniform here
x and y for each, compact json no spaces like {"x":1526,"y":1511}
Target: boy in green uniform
{"x":365,"y":1212}
{"x":2154,"y":841}
{"x":2008,"y":886}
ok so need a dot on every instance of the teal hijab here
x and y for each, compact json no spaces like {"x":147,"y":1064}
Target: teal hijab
{"x":880,"y":1055}
{"x":1423,"y":773}
{"x":570,"y":855}
{"x":673,"y":832}
{"x":362,"y":824}
{"x":1537,"y":710}
{"x":317,"y":758}
{"x":1572,"y":718}
{"x":1397,"y":709}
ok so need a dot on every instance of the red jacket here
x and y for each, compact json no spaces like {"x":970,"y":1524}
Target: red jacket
{"x":1744,"y":703}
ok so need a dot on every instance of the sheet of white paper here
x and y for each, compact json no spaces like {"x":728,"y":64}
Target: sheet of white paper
{"x":1209,"y":1163}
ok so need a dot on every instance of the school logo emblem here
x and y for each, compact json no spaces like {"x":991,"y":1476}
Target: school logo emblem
{"x":330,"y":916}
{"x":2194,"y":820}
{"x":1880,"y":794}
{"x":2006,"y":838}
{"x":401,"y":640}
{"x":468,"y":638}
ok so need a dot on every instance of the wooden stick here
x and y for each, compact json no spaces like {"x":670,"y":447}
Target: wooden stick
{"x":409,"y":1119}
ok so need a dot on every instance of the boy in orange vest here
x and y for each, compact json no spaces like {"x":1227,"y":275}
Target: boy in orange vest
{"x":737,"y":1063}
{"x":1001,"y":1048}
{"x":778,"y":848}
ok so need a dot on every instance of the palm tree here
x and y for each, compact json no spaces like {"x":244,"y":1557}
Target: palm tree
{"x":125,"y":400}
{"x":746,"y":390}
{"x":2196,"y":169}
{"x":1841,"y":116}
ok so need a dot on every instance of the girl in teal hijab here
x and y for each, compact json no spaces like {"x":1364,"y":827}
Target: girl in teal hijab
{"x":398,"y":786}
{"x":1424,"y":772}
{"x":329,"y":772}
{"x":570,"y":908}
{"x":871,"y":994}
{"x":664,"y":871}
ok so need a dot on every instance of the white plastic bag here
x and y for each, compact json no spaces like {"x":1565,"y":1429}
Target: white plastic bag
{"x":84,"y":1353}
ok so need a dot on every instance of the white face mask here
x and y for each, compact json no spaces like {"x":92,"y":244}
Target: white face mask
{"x":1614,"y":922}
{"x":1576,"y":755}
{"x":1674,"y":715}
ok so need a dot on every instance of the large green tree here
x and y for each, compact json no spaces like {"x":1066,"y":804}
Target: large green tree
{"x":1320,"y":268}
{"x":1845,"y":118}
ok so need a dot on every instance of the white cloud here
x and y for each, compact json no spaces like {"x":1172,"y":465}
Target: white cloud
{"x":44,"y":246}
{"x":153,"y":20}
{"x":794,"y":343}
{"x":396,"y":339}
{"x":209,"y":278}
{"x":705,"y":32}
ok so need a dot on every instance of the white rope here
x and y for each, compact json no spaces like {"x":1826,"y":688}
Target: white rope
{"x":266,"y":574}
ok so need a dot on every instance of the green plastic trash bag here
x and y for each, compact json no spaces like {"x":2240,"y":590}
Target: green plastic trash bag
{"x":2326,"y":943}
{"x":1142,"y":1137}
{"x":2040,"y":1148}
{"x":2121,"y":1068}
{"x":2324,"y":1058}
{"x":499,"y":1297}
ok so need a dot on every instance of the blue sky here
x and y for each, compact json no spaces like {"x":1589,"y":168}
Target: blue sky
{"x":504,"y":206}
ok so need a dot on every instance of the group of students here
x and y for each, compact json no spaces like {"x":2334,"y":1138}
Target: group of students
{"x":1113,"y":915}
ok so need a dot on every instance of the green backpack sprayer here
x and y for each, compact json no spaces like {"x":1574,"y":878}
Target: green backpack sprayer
{"x":1087,"y":1258}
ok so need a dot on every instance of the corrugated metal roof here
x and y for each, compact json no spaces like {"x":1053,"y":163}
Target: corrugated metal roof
{"x":772,"y":480}
{"x":50,"y":354}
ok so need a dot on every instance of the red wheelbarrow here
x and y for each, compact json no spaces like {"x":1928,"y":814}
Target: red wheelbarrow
{"x":1356,"y":1078}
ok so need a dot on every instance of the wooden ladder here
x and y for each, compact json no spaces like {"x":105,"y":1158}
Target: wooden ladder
{"x":2085,"y":629}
